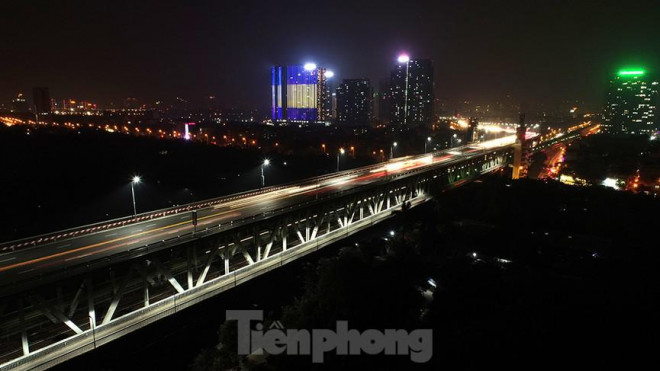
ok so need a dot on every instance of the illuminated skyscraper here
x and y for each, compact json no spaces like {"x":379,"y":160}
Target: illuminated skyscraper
{"x":631,"y":103}
{"x":411,"y":85}
{"x":299,"y":93}
{"x":354,"y":102}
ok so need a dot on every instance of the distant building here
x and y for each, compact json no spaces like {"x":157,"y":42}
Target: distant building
{"x":132,"y":103}
{"x":328,"y":105}
{"x":631,"y":103}
{"x":211,"y":103}
{"x":333,"y":109}
{"x":383,"y":108}
{"x":354,"y":102}
{"x":299,"y":93}
{"x":19,"y":104}
{"x":411,"y":86}
{"x":42,"y":103}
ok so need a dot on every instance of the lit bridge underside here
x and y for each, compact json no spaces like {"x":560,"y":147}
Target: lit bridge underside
{"x":69,"y":292}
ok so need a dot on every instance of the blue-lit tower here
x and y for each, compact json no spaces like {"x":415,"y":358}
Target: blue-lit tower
{"x":299,"y":93}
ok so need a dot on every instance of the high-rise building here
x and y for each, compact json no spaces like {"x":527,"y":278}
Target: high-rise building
{"x":328,"y":108}
{"x":411,"y":85}
{"x":41,"y":98}
{"x":354,"y":102}
{"x":631,"y":103}
{"x":19,"y":104}
{"x":299,"y":93}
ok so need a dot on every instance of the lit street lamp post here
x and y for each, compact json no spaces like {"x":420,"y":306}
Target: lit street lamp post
{"x":392,"y":150}
{"x":136,"y":180}
{"x":341,"y":152}
{"x":428,"y":140}
{"x":263,"y":178}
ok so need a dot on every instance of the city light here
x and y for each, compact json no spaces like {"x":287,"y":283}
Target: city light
{"x":611,"y":183}
{"x":309,"y":66}
{"x":403,"y":58}
{"x":329,"y":74}
{"x":631,"y":72}
{"x":136,"y":179}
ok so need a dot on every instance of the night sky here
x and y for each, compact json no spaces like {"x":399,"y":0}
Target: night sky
{"x":540,"y":51}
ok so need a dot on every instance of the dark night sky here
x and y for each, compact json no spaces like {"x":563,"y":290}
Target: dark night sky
{"x":540,"y":51}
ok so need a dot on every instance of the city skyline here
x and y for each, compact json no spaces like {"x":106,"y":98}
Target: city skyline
{"x":517,"y":50}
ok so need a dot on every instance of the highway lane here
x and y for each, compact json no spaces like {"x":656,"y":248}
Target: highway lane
{"x":27,"y":263}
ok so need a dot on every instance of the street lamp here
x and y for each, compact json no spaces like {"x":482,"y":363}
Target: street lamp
{"x":404,"y":58}
{"x":136,"y":180}
{"x":392,"y":150}
{"x":341,"y":152}
{"x":428,"y":140}
{"x":323,"y":147}
{"x":263,"y":179}
{"x":352,"y":151}
{"x":309,"y":66}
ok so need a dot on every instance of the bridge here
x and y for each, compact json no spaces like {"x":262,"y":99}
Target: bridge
{"x":71,"y":291}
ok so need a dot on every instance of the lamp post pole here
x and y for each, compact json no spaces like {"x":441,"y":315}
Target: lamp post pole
{"x":263,"y":178}
{"x":339,"y":153}
{"x":136,"y":180}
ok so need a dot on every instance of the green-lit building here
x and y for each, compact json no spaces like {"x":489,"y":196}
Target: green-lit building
{"x":631,"y":103}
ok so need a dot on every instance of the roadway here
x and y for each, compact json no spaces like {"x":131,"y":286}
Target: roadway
{"x":26,"y":263}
